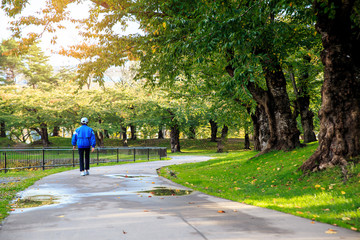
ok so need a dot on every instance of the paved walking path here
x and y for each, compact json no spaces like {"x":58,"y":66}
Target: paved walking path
{"x":107,"y":205}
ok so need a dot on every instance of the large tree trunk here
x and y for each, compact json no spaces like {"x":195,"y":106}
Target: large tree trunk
{"x":284,"y":134}
{"x":2,"y":129}
{"x":339,"y":137}
{"x":261,"y":128}
{"x":214,"y":129}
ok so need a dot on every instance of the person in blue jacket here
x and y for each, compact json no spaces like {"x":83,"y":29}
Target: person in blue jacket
{"x":84,"y":138}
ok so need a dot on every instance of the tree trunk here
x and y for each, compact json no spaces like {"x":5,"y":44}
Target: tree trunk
{"x":221,"y":142}
{"x":303,"y":102}
{"x":339,"y":138}
{"x":224,"y":132}
{"x":175,"y":138}
{"x":56,"y":132}
{"x":247,"y":141}
{"x":133,"y":132}
{"x":2,"y":129}
{"x":43,"y":132}
{"x":160,"y":133}
{"x":124,"y":133}
{"x":214,"y":129}
{"x":261,"y":128}
{"x":99,"y":137}
{"x":284,"y":134}
{"x":106,"y":134}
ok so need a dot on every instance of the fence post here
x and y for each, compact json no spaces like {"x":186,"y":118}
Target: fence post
{"x":117,"y":155}
{"x":134,"y":154}
{"x":97,"y":151}
{"x":159,"y":151}
{"x":43,"y":159}
{"x":5,"y":163}
{"x":73,"y":157}
{"x":148,"y":152}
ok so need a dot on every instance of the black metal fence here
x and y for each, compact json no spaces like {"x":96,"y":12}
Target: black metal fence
{"x":47,"y":158}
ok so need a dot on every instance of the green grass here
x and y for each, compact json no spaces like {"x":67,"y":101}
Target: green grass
{"x":273,"y":181}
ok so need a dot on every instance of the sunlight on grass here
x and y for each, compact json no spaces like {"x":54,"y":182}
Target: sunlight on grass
{"x":274,"y":181}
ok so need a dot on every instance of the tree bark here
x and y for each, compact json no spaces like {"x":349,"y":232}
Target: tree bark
{"x":224,"y":132}
{"x":160,"y":133}
{"x":175,"y":138}
{"x":124,"y":133}
{"x":56,"y":131}
{"x":99,"y":137}
{"x":261,"y":128}
{"x":2,"y":129}
{"x":43,"y":132}
{"x":303,"y":102}
{"x":339,"y":138}
{"x":284,"y":134}
{"x":133,"y":132}
{"x":214,"y":129}
{"x":247,"y":141}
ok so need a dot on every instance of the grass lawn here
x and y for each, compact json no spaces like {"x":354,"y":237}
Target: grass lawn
{"x":273,"y":181}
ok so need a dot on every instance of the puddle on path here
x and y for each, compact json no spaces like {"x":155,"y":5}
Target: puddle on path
{"x":35,"y":201}
{"x":163,"y":191}
{"x":128,"y":176}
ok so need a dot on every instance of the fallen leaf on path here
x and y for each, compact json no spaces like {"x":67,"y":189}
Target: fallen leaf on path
{"x":221,"y":211}
{"x":331,"y":231}
{"x":124,"y":232}
{"x":312,"y":222}
{"x":191,"y":203}
{"x":355,"y":229}
{"x":146,"y":210}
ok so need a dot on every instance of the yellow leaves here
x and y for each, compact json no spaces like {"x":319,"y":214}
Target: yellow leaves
{"x":343,"y":193}
{"x":317,"y":186}
{"x":331,"y":231}
{"x":346,"y":218}
{"x":153,"y":48}
{"x":353,"y":228}
{"x":164,"y":25}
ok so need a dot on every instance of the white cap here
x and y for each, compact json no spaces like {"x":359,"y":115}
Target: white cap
{"x":84,"y":120}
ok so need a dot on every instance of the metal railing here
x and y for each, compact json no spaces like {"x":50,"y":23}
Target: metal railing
{"x":11,"y":159}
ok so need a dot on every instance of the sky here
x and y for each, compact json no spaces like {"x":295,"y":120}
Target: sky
{"x":66,"y":37}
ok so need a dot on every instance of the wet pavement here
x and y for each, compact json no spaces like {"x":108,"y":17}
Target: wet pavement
{"x":121,"y":202}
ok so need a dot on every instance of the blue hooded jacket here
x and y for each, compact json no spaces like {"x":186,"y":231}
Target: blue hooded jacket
{"x":84,"y":137}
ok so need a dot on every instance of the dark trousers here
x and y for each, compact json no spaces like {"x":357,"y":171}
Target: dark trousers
{"x":85,"y":151}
